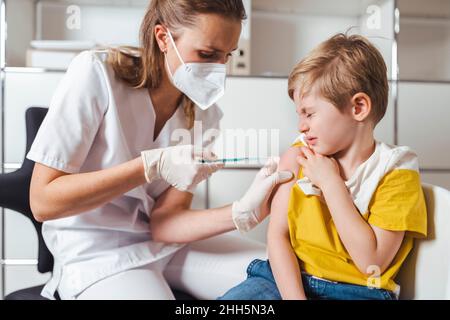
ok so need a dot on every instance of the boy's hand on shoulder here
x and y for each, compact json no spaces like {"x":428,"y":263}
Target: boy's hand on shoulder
{"x":318,"y":168}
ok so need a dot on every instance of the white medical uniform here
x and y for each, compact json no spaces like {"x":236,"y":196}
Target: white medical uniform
{"x":95,"y":121}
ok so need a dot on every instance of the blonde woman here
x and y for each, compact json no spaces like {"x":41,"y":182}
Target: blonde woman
{"x":114,"y":192}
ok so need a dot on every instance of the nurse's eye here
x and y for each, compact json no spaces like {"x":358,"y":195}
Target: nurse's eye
{"x":309,"y":115}
{"x":207,"y":55}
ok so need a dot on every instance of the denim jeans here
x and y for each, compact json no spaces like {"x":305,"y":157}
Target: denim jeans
{"x":260,"y":285}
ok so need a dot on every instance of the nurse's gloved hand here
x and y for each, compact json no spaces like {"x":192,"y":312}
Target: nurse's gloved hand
{"x":180,"y":166}
{"x":247,"y":211}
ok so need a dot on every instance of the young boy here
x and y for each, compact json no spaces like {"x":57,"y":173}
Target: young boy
{"x":342,"y":229}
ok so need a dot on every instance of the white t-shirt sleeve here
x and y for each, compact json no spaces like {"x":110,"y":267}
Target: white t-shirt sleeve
{"x":75,"y":114}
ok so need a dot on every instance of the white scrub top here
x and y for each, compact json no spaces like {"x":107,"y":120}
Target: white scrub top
{"x":95,"y":121}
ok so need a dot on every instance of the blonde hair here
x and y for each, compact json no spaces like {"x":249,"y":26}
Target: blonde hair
{"x":342,"y":67}
{"x":143,"y":67}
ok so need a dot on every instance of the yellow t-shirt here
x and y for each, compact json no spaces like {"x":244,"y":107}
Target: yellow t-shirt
{"x":387,"y":192}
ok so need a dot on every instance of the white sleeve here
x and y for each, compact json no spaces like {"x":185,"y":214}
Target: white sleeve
{"x":74,"y":117}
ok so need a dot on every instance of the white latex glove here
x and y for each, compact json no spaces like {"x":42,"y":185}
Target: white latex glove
{"x":179,"y":166}
{"x":246,"y":211}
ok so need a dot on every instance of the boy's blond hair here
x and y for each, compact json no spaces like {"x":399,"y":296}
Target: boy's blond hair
{"x":342,"y":67}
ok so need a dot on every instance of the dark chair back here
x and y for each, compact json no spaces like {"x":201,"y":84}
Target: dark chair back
{"x":15,"y":187}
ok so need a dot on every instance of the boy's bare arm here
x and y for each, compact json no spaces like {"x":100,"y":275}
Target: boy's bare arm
{"x":282,"y":258}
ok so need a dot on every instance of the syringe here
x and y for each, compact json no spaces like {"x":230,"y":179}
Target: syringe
{"x":228,"y":160}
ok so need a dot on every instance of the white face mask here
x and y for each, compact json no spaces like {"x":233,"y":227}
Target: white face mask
{"x":203,"y":83}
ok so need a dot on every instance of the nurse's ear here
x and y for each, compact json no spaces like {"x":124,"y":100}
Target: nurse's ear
{"x":361,"y":106}
{"x":162,"y":38}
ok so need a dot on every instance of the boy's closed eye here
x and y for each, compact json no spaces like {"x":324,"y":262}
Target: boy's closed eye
{"x":307,"y":112}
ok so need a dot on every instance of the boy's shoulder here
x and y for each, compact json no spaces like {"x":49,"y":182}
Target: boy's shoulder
{"x":390,"y":171}
{"x":397,"y":157}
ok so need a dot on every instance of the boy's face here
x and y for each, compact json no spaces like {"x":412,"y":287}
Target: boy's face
{"x":328,"y":130}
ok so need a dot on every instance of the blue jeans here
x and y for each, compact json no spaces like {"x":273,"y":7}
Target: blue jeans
{"x":260,"y":285}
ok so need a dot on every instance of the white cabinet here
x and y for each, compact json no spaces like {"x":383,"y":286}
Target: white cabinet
{"x":284,"y":31}
{"x":20,"y":277}
{"x":260,"y":107}
{"x":21,"y":250}
{"x":230,"y":185}
{"x":424,"y":87}
{"x":424,"y":113}
{"x":23,"y":90}
{"x":424,"y":40}
{"x":21,"y":241}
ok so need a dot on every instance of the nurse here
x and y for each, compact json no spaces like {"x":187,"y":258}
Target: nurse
{"x":112,"y":188}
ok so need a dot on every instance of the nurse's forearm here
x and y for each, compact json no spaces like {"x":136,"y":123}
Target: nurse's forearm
{"x":54,"y":195}
{"x":187,"y":225}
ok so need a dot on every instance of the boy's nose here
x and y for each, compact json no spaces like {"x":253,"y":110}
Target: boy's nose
{"x":303,"y":127}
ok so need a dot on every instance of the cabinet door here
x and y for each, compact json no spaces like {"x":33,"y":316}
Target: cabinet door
{"x":21,"y":240}
{"x":24,"y":90}
{"x":20,"y":236}
{"x":262,"y":109}
{"x":230,"y":185}
{"x":424,"y":113}
{"x":19,"y":277}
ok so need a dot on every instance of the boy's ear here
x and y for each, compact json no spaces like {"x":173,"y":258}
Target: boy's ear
{"x":361,"y":106}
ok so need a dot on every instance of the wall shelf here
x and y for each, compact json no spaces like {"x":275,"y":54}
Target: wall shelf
{"x":30,"y":70}
{"x":121,"y":3}
{"x":343,"y":8}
